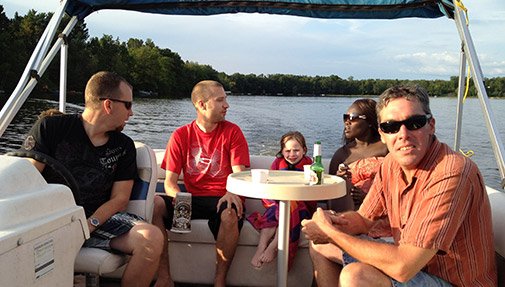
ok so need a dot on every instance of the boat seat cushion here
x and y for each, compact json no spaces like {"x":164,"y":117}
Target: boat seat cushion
{"x":249,"y":236}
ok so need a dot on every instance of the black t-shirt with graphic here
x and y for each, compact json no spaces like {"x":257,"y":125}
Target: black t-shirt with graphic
{"x":94,"y":168}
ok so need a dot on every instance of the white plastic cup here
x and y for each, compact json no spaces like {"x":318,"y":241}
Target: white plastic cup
{"x":259,"y":175}
{"x":306,"y":172}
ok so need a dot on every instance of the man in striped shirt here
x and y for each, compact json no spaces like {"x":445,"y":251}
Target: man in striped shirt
{"x":436,"y":203}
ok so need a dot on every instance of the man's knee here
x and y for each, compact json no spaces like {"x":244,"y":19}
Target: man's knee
{"x":325,"y":251}
{"x":316,"y":250}
{"x":314,"y":247}
{"x":229,"y":217}
{"x":152,"y":238}
{"x":160,"y":208}
{"x":360,"y":274}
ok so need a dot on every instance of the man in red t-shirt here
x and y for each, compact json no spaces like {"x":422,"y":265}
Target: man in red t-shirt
{"x":206,"y":151}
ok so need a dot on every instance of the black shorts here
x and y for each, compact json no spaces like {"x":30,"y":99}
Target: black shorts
{"x":202,"y":207}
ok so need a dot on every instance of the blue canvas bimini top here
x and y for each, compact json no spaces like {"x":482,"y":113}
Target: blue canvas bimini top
{"x":346,"y":9}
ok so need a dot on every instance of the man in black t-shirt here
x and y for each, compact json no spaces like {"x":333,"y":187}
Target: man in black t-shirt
{"x":103,"y":163}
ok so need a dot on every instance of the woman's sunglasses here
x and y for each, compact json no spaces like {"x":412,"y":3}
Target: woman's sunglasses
{"x":353,"y":117}
{"x":412,"y":123}
{"x":127,"y":104}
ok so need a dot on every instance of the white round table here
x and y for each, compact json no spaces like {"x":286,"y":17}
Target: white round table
{"x":285,"y":186}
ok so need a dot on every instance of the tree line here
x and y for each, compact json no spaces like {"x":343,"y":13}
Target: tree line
{"x":163,"y":73}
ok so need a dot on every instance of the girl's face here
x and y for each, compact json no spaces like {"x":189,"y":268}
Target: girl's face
{"x":293,"y":151}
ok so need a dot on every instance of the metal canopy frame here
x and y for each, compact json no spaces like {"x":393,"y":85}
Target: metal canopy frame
{"x":469,"y":55}
{"x":37,"y":65}
{"x":41,"y":58}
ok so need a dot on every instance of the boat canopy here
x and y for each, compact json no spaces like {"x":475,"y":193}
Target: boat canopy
{"x":348,"y":9}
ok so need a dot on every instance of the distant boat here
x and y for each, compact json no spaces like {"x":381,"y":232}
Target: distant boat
{"x":147,"y":93}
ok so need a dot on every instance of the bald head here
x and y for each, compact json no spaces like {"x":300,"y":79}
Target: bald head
{"x":204,"y":90}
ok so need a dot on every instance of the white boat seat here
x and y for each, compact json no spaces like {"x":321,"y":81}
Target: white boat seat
{"x":497,"y":200}
{"x":98,"y":261}
{"x":41,"y":227}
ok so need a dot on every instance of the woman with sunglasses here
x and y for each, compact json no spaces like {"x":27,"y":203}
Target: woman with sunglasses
{"x":360,"y":156}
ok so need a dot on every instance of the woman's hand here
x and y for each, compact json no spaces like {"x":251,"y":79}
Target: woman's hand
{"x":343,"y":171}
{"x":358,"y":195}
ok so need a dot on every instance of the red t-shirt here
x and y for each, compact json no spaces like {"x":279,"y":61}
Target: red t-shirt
{"x":206,"y":159}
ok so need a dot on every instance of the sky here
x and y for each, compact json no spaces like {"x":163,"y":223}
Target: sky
{"x":270,"y":44}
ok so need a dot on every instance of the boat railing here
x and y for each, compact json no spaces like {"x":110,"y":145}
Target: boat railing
{"x":37,"y":65}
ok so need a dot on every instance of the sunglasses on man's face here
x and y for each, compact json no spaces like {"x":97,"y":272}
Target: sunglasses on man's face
{"x":353,"y":117}
{"x":412,"y":123}
{"x":127,"y":104}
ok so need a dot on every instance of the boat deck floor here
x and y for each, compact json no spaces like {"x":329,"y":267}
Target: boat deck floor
{"x":80,"y":281}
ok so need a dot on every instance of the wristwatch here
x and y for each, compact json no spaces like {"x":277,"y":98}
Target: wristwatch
{"x":95,"y":222}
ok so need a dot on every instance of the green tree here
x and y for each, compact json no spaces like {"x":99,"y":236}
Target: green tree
{"x":146,"y":67}
{"x":79,"y":57}
{"x":18,"y":45}
{"x":78,"y":61}
{"x":6,"y":53}
{"x":194,"y":73}
{"x":108,"y":54}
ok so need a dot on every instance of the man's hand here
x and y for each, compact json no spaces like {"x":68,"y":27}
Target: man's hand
{"x":231,"y":198}
{"x":317,"y":228}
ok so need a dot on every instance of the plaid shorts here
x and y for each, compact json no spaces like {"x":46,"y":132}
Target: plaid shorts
{"x":117,"y":225}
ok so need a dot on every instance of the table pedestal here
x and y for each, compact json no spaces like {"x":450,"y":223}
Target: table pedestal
{"x":285,"y":186}
{"x":283,"y":244}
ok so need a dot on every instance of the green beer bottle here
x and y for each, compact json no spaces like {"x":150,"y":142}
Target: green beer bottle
{"x":317,"y":168}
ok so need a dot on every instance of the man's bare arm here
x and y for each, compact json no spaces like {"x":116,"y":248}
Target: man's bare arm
{"x":120,"y":195}
{"x":171,"y":186}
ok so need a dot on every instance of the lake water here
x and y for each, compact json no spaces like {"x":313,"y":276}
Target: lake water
{"x":264,"y":119}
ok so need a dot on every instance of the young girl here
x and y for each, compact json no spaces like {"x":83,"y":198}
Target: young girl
{"x":290,"y":157}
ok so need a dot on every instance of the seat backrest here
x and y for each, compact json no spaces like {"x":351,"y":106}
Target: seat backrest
{"x":257,"y":161}
{"x":142,"y":197}
{"x":497,"y":200}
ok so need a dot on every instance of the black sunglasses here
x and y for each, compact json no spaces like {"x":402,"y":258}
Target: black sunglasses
{"x":354,"y":117}
{"x":127,"y":104}
{"x":412,"y":123}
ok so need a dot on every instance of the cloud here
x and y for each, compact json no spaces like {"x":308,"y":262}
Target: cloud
{"x":495,"y":69}
{"x":436,"y":64}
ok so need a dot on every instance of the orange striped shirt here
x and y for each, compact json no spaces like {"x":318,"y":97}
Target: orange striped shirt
{"x":444,"y":207}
